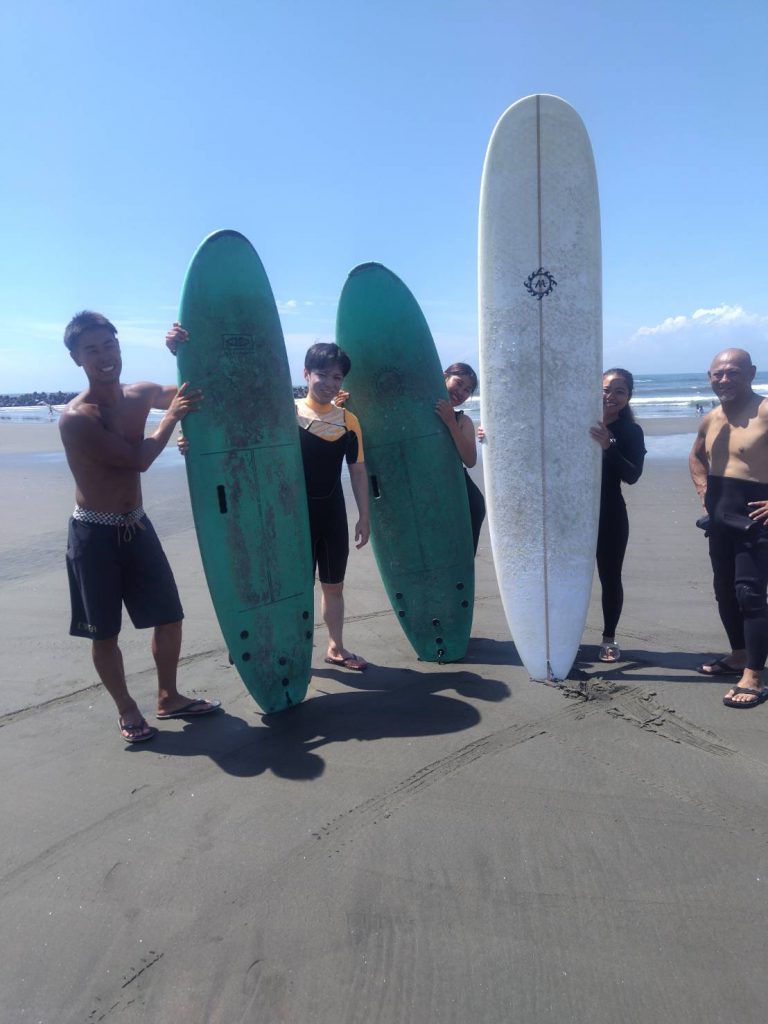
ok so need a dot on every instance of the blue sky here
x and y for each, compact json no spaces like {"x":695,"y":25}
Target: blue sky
{"x":332,"y":134}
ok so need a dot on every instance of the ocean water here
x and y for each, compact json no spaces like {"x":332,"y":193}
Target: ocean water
{"x":678,"y":394}
{"x":661,"y":395}
{"x":28,"y":413}
{"x":656,"y":396}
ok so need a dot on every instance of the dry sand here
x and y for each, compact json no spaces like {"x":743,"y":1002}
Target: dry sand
{"x":415,"y":844}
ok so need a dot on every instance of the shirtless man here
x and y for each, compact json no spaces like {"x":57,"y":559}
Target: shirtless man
{"x":729,"y":467}
{"x":113,"y":553}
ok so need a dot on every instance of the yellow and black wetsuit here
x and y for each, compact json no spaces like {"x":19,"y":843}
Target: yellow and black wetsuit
{"x":328,"y":435}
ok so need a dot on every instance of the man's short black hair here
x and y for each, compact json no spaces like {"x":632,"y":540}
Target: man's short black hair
{"x":323,"y":355}
{"x":82,"y":322}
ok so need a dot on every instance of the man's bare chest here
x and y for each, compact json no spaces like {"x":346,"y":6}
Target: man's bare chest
{"x":127,"y":420}
{"x":730,"y":442}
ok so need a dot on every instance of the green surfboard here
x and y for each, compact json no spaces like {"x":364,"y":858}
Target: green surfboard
{"x":244,"y":469}
{"x":420,"y":525}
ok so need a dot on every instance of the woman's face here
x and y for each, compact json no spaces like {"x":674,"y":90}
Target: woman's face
{"x":459,"y":388}
{"x":615,"y":396}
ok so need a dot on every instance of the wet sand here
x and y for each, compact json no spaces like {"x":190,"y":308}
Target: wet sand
{"x":669,"y":425}
{"x":419,"y":843}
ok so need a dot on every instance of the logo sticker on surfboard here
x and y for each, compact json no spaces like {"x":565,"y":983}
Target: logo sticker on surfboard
{"x":540,"y":283}
{"x":238,"y":342}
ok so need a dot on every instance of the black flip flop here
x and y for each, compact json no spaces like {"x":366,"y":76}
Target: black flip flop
{"x":719,"y":667}
{"x":191,"y":709}
{"x":759,"y":695}
{"x":137,"y":732}
{"x":354,"y":663}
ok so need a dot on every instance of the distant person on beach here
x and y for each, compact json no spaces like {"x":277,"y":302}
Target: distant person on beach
{"x":113,"y":553}
{"x":49,"y":407}
{"x":329,"y":434}
{"x":623,"y":447}
{"x":729,"y":467}
{"x":461,"y":382}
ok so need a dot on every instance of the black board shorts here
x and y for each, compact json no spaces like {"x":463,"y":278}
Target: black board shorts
{"x":111,"y":565}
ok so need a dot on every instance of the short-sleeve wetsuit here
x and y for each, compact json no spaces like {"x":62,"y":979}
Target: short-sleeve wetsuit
{"x":328,"y":435}
{"x":622,"y":462}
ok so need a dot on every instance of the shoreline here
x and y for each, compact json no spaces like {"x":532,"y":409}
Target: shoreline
{"x":35,"y":436}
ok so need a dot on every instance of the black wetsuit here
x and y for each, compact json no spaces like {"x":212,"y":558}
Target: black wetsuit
{"x":476,"y":502}
{"x":622,"y":461}
{"x":738,"y":550}
{"x":324,"y":447}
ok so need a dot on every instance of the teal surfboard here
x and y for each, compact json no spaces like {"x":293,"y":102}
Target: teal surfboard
{"x":420,"y":526}
{"x":244,"y":469}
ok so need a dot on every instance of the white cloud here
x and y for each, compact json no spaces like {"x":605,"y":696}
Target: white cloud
{"x":728,"y":317}
{"x":687,"y":342}
{"x":672,"y":323}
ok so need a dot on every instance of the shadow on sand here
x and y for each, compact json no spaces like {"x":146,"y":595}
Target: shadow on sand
{"x":385,"y":703}
{"x":647,"y":667}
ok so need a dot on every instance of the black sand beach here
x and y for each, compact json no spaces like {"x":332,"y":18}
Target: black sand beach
{"x":414,"y":844}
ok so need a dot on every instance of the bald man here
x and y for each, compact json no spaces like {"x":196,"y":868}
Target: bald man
{"x":729,"y":467}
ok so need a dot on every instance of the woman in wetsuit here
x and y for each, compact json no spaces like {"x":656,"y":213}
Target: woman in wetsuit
{"x":623,"y":447}
{"x":461,"y":381}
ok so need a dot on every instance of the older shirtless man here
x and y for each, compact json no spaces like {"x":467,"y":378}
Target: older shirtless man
{"x":113,"y":553}
{"x":729,"y":466}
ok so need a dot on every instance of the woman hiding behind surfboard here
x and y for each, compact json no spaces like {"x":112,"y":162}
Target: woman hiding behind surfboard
{"x":623,"y":447}
{"x":461,"y":382}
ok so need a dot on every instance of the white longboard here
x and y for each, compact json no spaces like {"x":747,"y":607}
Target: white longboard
{"x":540,"y":367}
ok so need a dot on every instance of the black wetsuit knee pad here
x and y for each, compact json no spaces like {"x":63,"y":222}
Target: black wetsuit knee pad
{"x":750,"y":599}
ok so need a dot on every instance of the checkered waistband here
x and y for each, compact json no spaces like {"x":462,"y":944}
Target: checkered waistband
{"x":85,"y":515}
